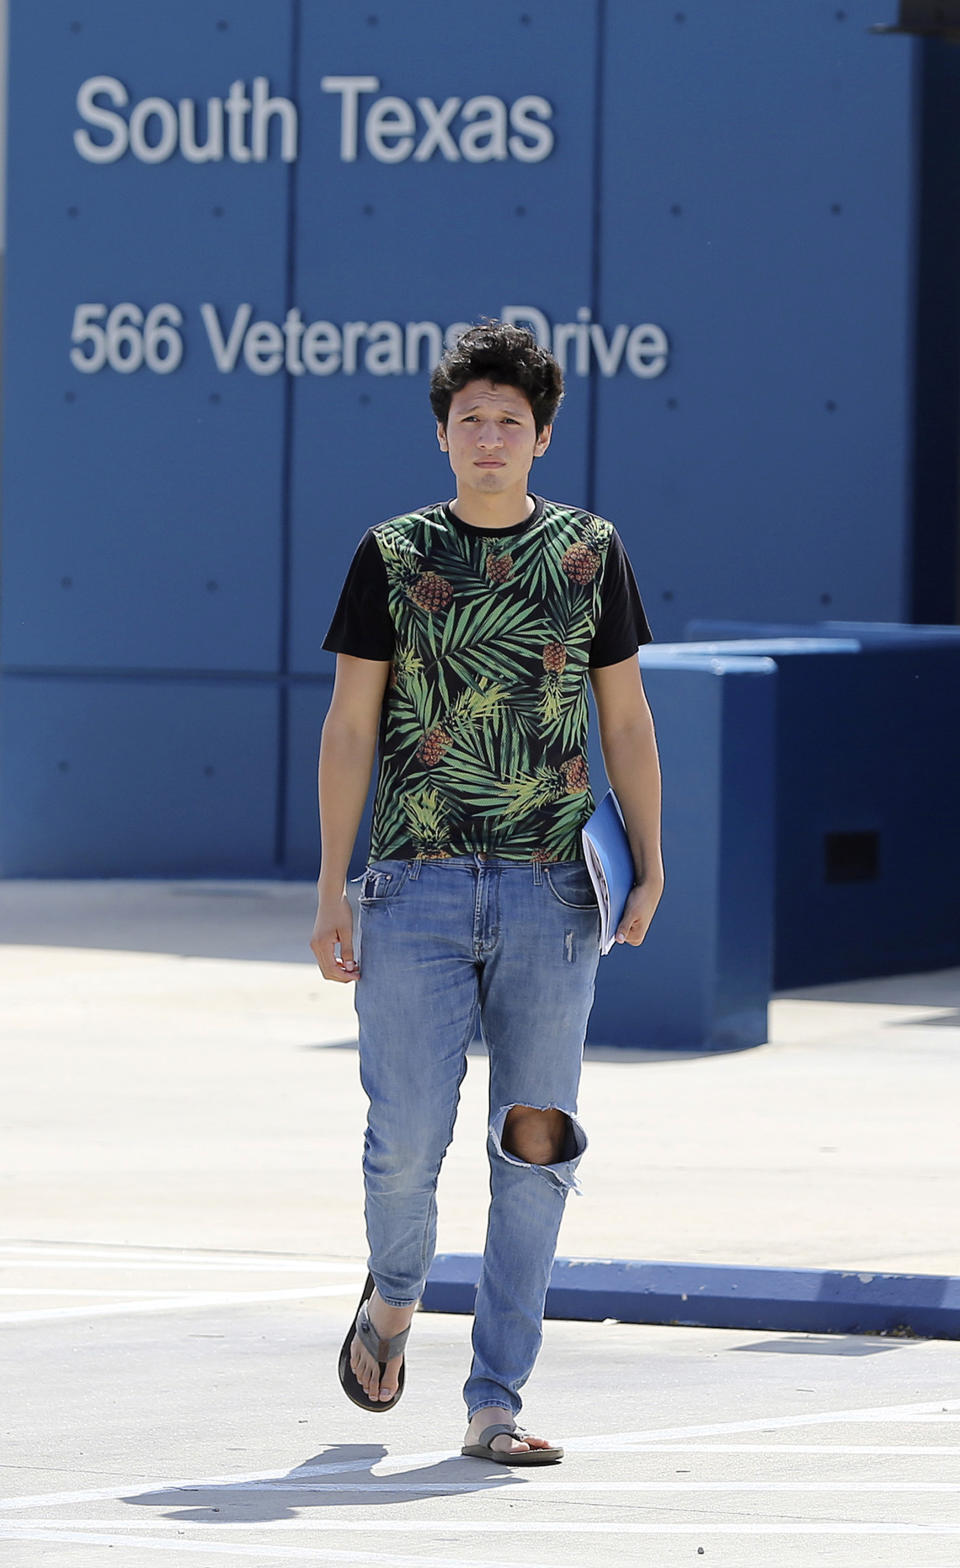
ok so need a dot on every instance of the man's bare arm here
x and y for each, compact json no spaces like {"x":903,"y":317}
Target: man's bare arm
{"x":347,"y":750}
{"x":630,"y":756}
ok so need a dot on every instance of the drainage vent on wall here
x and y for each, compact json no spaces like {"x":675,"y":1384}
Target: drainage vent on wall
{"x":851,"y":857}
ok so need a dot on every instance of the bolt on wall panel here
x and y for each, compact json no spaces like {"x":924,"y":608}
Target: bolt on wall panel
{"x":756,"y":198}
{"x":445,"y":174}
{"x":143,"y":483}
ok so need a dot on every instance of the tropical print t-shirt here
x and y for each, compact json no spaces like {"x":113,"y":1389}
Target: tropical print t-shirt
{"x":489,"y":634}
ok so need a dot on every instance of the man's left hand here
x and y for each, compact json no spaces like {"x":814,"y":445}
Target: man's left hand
{"x":640,"y":908}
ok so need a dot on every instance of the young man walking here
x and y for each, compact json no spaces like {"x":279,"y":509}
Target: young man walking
{"x":465,"y":636}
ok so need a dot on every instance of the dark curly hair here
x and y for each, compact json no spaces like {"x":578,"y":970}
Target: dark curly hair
{"x":508,"y":356}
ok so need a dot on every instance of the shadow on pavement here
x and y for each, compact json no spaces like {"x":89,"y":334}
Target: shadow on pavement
{"x":829,"y":1345}
{"x":257,"y":1502}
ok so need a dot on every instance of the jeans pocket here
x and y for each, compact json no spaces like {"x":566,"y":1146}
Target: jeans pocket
{"x":569,"y":882}
{"x":382,"y":880}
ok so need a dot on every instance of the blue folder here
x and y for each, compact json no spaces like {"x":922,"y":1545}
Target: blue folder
{"x":606,"y":850}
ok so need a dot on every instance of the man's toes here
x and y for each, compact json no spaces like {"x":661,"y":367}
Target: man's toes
{"x":391,"y":1380}
{"x":366,"y":1373}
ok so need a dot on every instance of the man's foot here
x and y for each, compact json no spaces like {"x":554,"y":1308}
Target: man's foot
{"x":387,"y":1321}
{"x":503,"y":1442}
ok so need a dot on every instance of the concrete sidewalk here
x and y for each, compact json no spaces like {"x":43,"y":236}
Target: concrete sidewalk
{"x":182,"y":1248}
{"x":175,"y":1055}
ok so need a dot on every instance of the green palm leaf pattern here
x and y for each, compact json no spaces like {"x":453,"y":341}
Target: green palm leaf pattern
{"x":484,"y":737}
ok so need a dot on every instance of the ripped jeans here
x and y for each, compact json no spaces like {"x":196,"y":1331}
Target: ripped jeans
{"x":447,"y":949}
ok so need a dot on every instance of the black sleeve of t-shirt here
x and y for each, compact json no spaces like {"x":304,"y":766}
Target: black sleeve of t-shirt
{"x":622,"y":626}
{"x":361,"y":624}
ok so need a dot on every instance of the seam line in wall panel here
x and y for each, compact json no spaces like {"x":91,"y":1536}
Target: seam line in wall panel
{"x":593,"y":386}
{"x":283,"y":705}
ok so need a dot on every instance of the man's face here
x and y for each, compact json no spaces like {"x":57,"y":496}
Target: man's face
{"x":491,"y":437}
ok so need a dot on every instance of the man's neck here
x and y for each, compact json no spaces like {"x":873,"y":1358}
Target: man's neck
{"x":493,"y":511}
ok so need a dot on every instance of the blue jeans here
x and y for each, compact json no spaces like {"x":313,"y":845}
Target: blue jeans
{"x":446,"y":946}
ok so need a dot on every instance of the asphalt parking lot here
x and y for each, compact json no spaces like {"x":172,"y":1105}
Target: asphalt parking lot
{"x":181,"y":1256}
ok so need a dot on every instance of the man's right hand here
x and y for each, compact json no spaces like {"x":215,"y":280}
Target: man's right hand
{"x":334,"y":924}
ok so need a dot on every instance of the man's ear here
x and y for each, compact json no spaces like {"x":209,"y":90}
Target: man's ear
{"x":442,"y":436}
{"x":542,"y":441}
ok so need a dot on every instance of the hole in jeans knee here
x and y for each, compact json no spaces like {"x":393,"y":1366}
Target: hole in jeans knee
{"x":539,"y":1135}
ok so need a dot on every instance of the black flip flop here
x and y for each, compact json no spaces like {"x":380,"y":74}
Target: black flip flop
{"x":502,"y":1456}
{"x":382,"y":1349}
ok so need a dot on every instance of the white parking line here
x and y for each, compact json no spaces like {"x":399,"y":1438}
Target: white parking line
{"x":625,"y":1440}
{"x":918,"y":1450}
{"x":81,"y":1290}
{"x":32,"y":1257}
{"x":940,"y":1417}
{"x":170,"y":1265}
{"x":385,"y":1558}
{"x":168,"y":1303}
{"x":449,"y":1527}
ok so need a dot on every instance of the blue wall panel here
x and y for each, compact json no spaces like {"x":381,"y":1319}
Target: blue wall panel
{"x":114,"y":777}
{"x":435,"y":240}
{"x":756,"y":184}
{"x":142,"y":517}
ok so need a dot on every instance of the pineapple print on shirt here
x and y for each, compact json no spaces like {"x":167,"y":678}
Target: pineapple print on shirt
{"x":484,"y":726}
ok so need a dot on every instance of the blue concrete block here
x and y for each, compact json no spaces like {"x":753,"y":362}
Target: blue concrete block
{"x":701,"y":980}
{"x":700,"y":1295}
{"x":865,"y":633}
{"x":868,"y":753}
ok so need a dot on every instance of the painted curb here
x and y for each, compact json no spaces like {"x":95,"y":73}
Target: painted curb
{"x":716,"y":1295}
